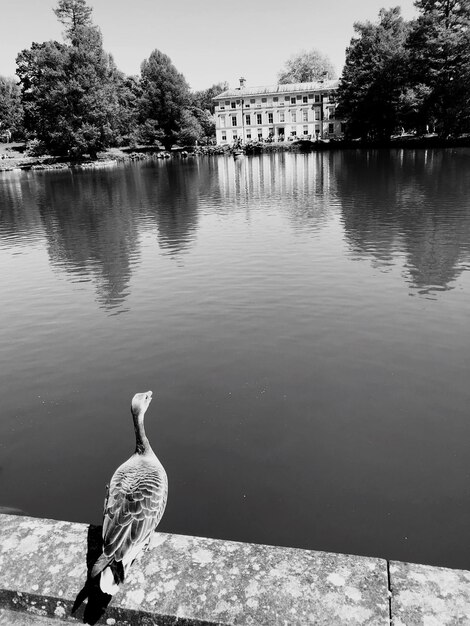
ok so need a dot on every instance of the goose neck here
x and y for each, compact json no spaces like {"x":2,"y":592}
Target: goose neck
{"x":142,"y":444}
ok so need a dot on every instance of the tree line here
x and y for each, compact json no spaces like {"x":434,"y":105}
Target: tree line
{"x":72,"y":99}
{"x":409,"y":74}
{"x":399,"y":74}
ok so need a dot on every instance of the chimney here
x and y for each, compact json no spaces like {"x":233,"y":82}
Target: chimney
{"x":242,"y":82}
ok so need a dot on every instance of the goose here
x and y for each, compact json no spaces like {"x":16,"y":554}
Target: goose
{"x":134,"y":505}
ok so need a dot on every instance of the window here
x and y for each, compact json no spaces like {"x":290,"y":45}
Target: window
{"x":264,"y":100}
{"x":233,"y":105}
{"x":258,"y":118}
{"x":305,"y":115}
{"x":310,"y":96}
{"x":293,"y":116}
{"x":275,"y":99}
{"x":317,"y":114}
{"x":234,"y":120}
{"x":260,"y":133}
{"x":287,"y":98}
{"x":299,"y":97}
{"x":305,"y":130}
{"x":281,"y":116}
{"x":252,"y":100}
{"x":331,"y":113}
{"x":248,"y":120}
{"x":227,"y":103}
{"x":224,"y":136}
{"x":222,"y":121}
{"x":235,"y":134}
{"x":270,"y":118}
{"x":292,"y":100}
{"x":331,"y":128}
{"x":317,"y":97}
{"x":247,"y":105}
{"x":248,"y":134}
{"x":305,"y":99}
{"x":293,"y":133}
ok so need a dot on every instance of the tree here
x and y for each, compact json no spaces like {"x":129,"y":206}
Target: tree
{"x":191,"y":130}
{"x":203,"y":109}
{"x":73,"y":95}
{"x":73,"y":14}
{"x":307,"y":67}
{"x":204,"y":99}
{"x":165,"y":97}
{"x":374,"y":76}
{"x":439,"y":45}
{"x":11,"y":112}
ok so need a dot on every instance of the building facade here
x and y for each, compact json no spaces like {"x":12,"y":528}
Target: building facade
{"x":277,"y":113}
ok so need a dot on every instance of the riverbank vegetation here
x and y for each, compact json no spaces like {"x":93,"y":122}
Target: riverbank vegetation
{"x":399,"y":77}
{"x":409,"y":75}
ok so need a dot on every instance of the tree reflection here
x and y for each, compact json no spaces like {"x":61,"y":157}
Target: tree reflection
{"x":171,"y":192}
{"x":411,"y":203}
{"x":90,"y":223}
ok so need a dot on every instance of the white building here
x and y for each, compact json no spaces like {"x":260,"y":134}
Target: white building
{"x":278,"y":112}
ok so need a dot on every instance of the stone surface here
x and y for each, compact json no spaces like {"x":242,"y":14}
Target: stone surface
{"x":185,"y":580}
{"x":20,"y":618}
{"x":423,"y":595}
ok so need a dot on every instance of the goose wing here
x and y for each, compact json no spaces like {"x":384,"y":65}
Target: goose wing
{"x":134,"y":507}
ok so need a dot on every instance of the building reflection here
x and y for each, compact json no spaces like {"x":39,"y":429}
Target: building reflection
{"x":300,"y":185}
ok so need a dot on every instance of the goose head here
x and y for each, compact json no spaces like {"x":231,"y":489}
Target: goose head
{"x":140,"y":403}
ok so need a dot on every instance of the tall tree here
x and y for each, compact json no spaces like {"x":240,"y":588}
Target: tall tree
{"x":11,"y":112}
{"x":165,"y":97}
{"x":439,"y":46}
{"x":73,"y":94}
{"x":307,"y":67}
{"x":373,"y":79}
{"x":73,"y":14}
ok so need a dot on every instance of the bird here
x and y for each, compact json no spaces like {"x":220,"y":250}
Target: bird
{"x":134,"y":505}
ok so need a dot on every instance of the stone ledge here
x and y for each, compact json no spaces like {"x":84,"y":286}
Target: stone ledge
{"x":183,"y":581}
{"x":423,"y":595}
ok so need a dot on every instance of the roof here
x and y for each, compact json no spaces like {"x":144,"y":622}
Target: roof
{"x":275,"y":89}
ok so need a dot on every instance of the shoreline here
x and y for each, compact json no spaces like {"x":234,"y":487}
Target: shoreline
{"x":19,"y":162}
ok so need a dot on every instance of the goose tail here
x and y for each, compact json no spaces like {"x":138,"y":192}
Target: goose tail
{"x":112,"y":573}
{"x":107,"y":582}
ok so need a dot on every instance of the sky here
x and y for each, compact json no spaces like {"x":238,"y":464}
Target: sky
{"x":208,"y":41}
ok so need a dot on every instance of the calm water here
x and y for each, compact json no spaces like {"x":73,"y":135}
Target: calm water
{"x":302,"y":319}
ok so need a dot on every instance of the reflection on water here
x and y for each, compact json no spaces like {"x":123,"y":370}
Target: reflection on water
{"x":266,"y":302}
{"x":410,"y":203}
{"x":392,"y":204}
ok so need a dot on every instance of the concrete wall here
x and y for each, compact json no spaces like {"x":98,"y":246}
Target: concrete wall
{"x":186,"y":580}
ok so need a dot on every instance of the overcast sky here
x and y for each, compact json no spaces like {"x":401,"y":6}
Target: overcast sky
{"x":207,"y":40}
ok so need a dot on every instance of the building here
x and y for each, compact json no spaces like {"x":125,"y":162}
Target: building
{"x":278,"y":112}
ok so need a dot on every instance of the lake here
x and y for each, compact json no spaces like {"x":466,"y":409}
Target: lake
{"x":303,"y":322}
